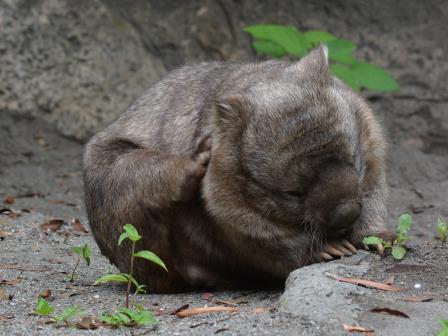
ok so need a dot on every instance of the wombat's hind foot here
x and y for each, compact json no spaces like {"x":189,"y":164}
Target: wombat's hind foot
{"x":337,"y":249}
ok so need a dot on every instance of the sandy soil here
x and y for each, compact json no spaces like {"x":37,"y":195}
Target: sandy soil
{"x":42,"y":172}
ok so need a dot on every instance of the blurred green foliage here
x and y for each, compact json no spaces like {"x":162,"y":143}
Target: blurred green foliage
{"x":278,"y":41}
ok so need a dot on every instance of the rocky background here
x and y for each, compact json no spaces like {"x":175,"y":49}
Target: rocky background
{"x":79,"y":63}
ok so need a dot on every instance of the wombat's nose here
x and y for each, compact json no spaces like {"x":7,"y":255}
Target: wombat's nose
{"x":345,"y":215}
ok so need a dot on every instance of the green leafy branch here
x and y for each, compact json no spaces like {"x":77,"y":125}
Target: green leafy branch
{"x":82,"y":252}
{"x":130,"y":232}
{"x":442,"y":228}
{"x":278,"y":41}
{"x":124,"y":317}
{"x":398,"y":245}
{"x":444,"y":331}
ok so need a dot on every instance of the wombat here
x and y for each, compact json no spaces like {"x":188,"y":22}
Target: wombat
{"x":237,"y":174}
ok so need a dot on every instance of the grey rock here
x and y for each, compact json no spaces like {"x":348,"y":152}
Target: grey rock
{"x":76,"y":64}
{"x":79,"y":64}
{"x":310,"y":292}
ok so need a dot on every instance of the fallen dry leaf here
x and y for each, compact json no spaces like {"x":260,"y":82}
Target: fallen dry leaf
{"x":261,"y":310}
{"x":220,"y":330}
{"x":52,"y":225}
{"x":10,"y":213}
{"x":8,"y":200}
{"x":10,"y":282}
{"x":53,"y":261}
{"x":406,"y":268}
{"x":389,"y":311}
{"x":26,"y":269}
{"x":414,"y":298}
{"x":365,"y":283}
{"x":4,"y":234}
{"x":367,"y":331}
{"x":5,"y":317}
{"x":183,"y":307}
{"x":5,"y":295}
{"x":390,"y":280}
{"x":78,"y":226}
{"x":88,"y":323}
{"x":45,"y":293}
{"x":204,"y":310}
{"x":56,"y":202}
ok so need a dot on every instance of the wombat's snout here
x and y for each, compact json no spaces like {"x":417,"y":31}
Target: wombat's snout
{"x":343,"y":217}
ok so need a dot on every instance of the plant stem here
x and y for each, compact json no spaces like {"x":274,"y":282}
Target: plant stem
{"x":128,"y":288}
{"x":74,"y":269}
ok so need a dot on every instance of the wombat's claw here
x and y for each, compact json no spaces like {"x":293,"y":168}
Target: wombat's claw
{"x":349,"y":245}
{"x":378,"y":247}
{"x":344,"y":248}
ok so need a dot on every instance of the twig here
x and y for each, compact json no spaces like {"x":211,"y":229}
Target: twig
{"x":20,"y":268}
{"x":205,"y":310}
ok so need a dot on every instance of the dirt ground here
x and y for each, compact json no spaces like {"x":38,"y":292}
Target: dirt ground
{"x":42,"y":172}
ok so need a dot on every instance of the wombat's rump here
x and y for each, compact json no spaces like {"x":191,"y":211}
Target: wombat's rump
{"x":236,"y":174}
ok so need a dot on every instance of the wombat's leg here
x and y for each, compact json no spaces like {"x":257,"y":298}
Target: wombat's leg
{"x":337,"y":249}
{"x":129,"y":184}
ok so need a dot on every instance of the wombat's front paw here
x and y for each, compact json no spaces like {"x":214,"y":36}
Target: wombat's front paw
{"x":337,"y":249}
{"x":195,"y":169}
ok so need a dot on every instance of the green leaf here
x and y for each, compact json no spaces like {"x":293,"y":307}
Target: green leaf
{"x":141,"y":317}
{"x":444,"y":331}
{"x":77,"y":249}
{"x":287,"y":37}
{"x":122,"y":237}
{"x":132,"y":233}
{"x":372,"y":240}
{"x":43,"y":307}
{"x":69,"y":313}
{"x":140,"y":289}
{"x":404,"y":223}
{"x":121,"y":277}
{"x":86,"y":254}
{"x":269,"y":48}
{"x":314,"y":37}
{"x":148,"y":255}
{"x":341,"y":51}
{"x":145,"y":317}
{"x":111,"y":319}
{"x":398,"y":252}
{"x":347,"y":75}
{"x":442,"y":228}
{"x":373,"y":77}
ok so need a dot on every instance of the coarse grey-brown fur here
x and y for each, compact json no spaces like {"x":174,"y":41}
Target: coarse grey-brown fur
{"x":236,"y":174}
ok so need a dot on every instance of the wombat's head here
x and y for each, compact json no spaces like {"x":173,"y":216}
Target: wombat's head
{"x":289,"y":147}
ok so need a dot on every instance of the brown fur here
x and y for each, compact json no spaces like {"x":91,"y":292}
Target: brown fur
{"x":290,"y":156}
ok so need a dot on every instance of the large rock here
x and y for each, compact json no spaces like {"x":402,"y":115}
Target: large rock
{"x":74,"y":63}
{"x":80,"y":63}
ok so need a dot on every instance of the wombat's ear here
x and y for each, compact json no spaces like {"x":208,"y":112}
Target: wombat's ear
{"x":316,"y":62}
{"x":230,"y":112}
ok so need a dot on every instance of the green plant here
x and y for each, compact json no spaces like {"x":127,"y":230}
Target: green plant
{"x":82,"y":252}
{"x":442,"y":228}
{"x":444,"y":331}
{"x":43,"y":308}
{"x":278,"y":41}
{"x":130,"y":232}
{"x":398,"y":245}
{"x":129,"y":317}
{"x":68,"y":314}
